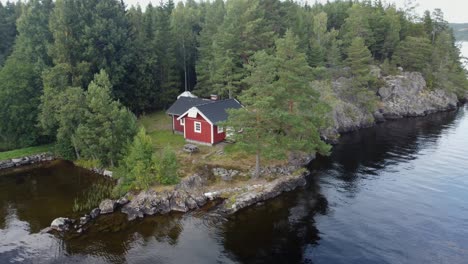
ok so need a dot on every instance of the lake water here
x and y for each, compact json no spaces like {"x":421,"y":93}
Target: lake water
{"x":395,"y":193}
{"x":464,"y":52}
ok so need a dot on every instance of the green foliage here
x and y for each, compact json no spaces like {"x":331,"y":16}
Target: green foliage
{"x":9,"y":13}
{"x":359,"y":59}
{"x":282,"y":111}
{"x":19,"y":98}
{"x":106,"y":126}
{"x":20,"y":78}
{"x":51,"y":50}
{"x":136,"y":168}
{"x":166,"y":166}
{"x":413,"y":54}
{"x":141,"y":168}
{"x":88,"y":164}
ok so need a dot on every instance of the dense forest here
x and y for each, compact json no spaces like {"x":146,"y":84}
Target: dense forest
{"x":77,"y":72}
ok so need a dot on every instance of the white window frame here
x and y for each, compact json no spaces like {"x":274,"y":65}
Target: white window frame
{"x":195,"y":127}
{"x":182,"y":122}
{"x":220,"y":129}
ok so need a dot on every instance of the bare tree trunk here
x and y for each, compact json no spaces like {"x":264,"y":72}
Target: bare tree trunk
{"x":257,"y":164}
{"x":185,"y":67}
{"x":77,"y":152}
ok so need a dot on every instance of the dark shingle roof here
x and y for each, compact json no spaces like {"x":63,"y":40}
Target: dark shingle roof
{"x":185,"y":103}
{"x":215,"y":111}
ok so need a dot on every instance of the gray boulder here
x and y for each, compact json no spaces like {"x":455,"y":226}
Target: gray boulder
{"x":225,"y":174}
{"x":85,"y":219}
{"x":61,"y":224}
{"x":95,"y":213}
{"x":122,"y":201}
{"x":107,"y":206}
{"x":192,"y":182}
{"x":379,"y":117}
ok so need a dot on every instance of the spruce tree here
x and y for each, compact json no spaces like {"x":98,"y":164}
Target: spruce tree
{"x":359,"y":60}
{"x":106,"y":126}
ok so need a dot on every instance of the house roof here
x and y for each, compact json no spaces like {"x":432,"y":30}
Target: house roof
{"x":215,"y":111}
{"x":185,"y":103}
{"x":186,"y":94}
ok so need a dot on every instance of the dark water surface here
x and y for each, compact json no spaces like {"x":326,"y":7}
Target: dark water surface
{"x":395,"y":193}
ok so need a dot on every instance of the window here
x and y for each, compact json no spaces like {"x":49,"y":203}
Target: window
{"x":220,"y":129}
{"x":182,"y":122}
{"x":197,"y":127}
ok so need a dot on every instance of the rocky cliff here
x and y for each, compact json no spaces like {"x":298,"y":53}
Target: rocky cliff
{"x":406,"y":95}
{"x":402,"y":95}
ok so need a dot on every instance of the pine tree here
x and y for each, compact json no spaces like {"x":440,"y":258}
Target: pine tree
{"x":282,"y":112}
{"x":413,"y":54}
{"x":168,"y":77}
{"x":214,"y":17}
{"x":137,"y":169}
{"x":185,"y":25}
{"x":359,"y":59}
{"x":357,"y":24}
{"x":8,"y":16}
{"x":106,"y":128}
{"x":242,"y":33}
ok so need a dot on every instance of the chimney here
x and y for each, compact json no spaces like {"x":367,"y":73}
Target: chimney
{"x":214,"y":97}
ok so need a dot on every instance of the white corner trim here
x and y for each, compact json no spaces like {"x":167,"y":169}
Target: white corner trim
{"x":212,"y":133}
{"x":184,"y":133}
{"x":173,"y":123}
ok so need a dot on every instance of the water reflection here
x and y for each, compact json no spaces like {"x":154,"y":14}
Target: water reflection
{"x":395,"y":193}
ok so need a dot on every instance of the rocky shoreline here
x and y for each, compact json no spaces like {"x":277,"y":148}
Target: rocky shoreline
{"x":194,"y":192}
{"x":24,"y":161}
{"x":402,"y":95}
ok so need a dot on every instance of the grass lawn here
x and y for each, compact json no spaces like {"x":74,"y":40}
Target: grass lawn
{"x":158,"y":125}
{"x":17,"y":153}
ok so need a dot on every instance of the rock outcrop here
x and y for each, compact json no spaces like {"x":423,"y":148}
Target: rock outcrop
{"x":33,"y":159}
{"x":238,"y":198}
{"x":406,"y":95}
{"x":107,"y":206}
{"x":61,"y":224}
{"x":402,"y":95}
{"x":152,"y":202}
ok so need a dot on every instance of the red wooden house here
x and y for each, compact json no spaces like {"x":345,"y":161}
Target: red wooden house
{"x":199,"y":123}
{"x":179,"y":107}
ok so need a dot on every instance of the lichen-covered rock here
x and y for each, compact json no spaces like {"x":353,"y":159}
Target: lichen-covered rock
{"x":107,"y":206}
{"x":246,"y":197}
{"x":225,"y":174}
{"x":85,"y":219}
{"x":192,"y":182}
{"x":406,"y":95}
{"x":122,"y":201}
{"x":95,"y":213}
{"x":61,"y":224}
